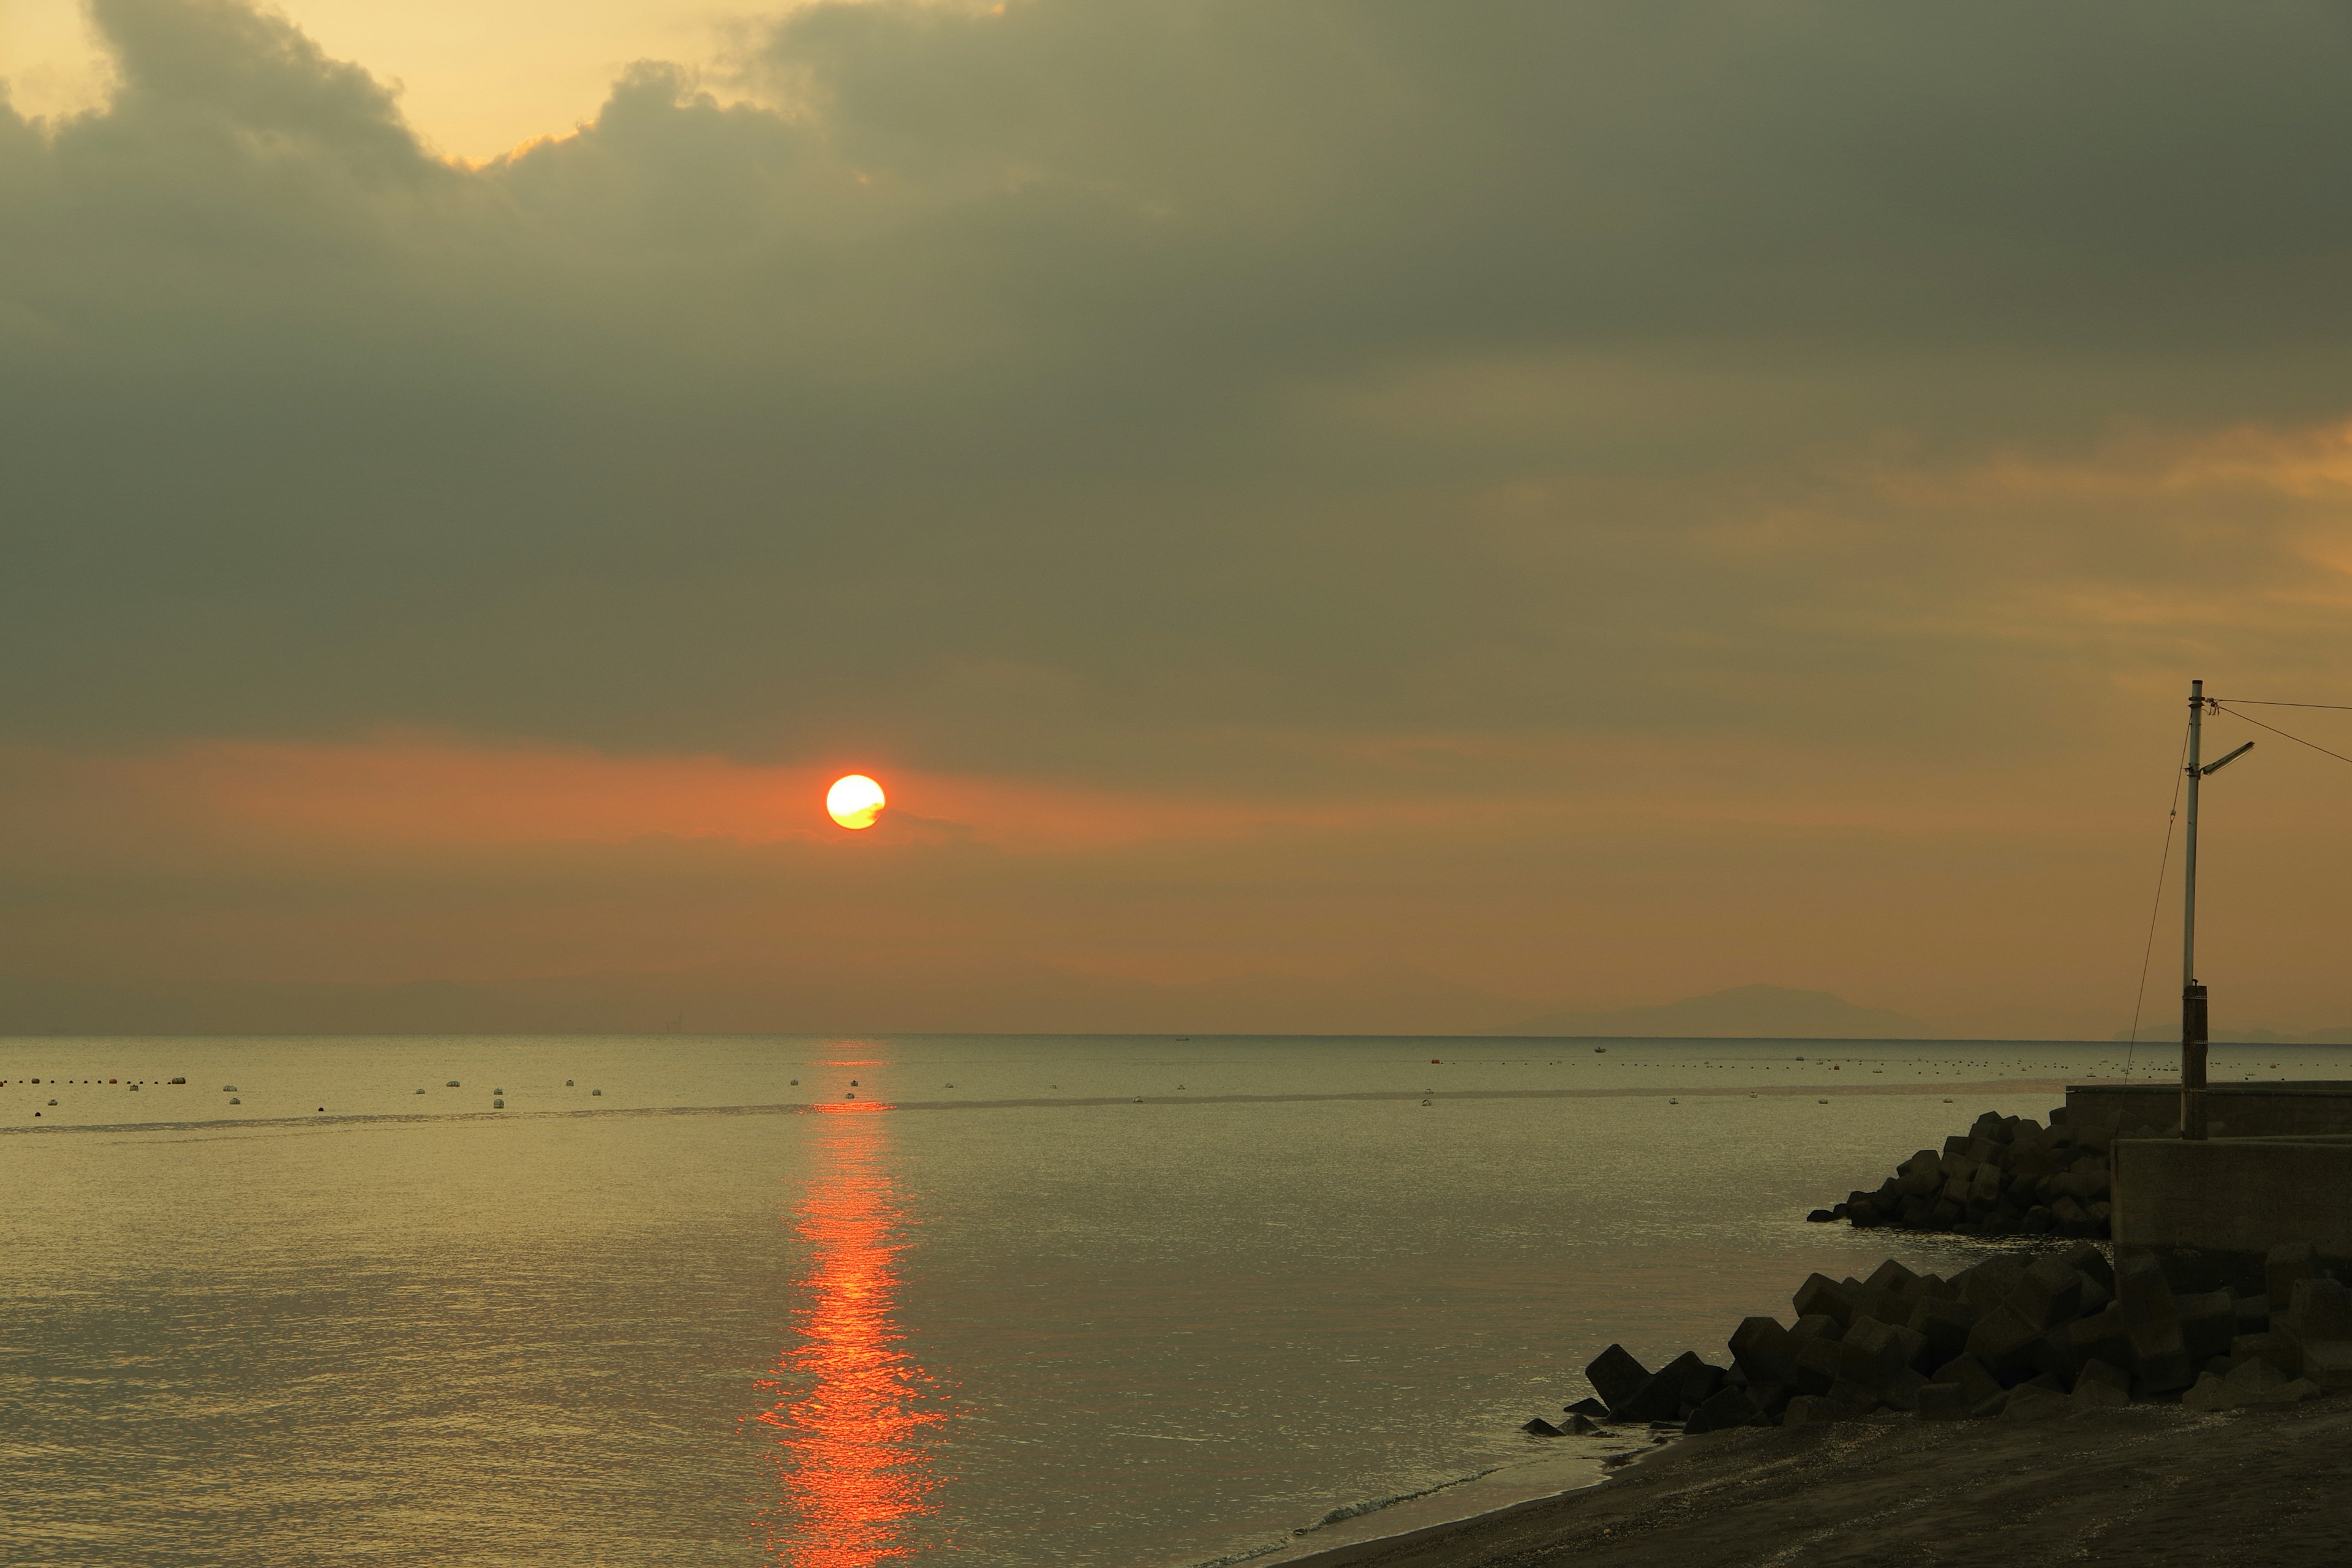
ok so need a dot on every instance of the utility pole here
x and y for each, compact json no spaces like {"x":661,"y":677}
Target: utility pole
{"x":2192,"y":995}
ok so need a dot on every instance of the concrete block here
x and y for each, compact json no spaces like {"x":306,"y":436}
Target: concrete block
{"x":2143,"y":1293}
{"x":1943,"y":1324}
{"x":1969,"y":1374}
{"x":1986,"y":1186}
{"x":1992,"y":1406}
{"x":2089,"y":1259}
{"x":1817,"y":1326}
{"x":1985,"y":1286}
{"x":1858,"y":1397}
{"x":2297,"y":1391}
{"x":2072,"y":1219}
{"x":2287,"y":1263}
{"x":2055,"y":1355}
{"x":2159,"y":1359}
{"x":1661,"y":1398}
{"x":1728,"y":1407}
{"x":1820,"y":1362}
{"x":2320,"y":1308}
{"x":1764,"y":1350}
{"x":2255,"y":1380}
{"x":2113,"y":1376}
{"x":2253,"y":1314}
{"x":2029,"y":1402}
{"x":2208,"y":1395}
{"x":1821,"y":1296}
{"x":1889,"y":1349}
{"x":1542,"y":1429}
{"x":2102,"y":1336}
{"x":2282,"y":1354}
{"x":1616,"y":1375}
{"x":1698,"y":1387}
{"x":1581,"y":1426}
{"x":2208,"y":1323}
{"x":2328,"y":1363}
{"x":1893,"y":1277}
{"x":1592,"y":1407}
{"x":1902,"y":1390}
{"x":2098,"y":1397}
{"x":2050,"y":1295}
{"x":1944,"y":1402}
{"x":2005,"y":1344}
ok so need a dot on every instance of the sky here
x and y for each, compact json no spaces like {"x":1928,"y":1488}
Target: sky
{"x":1365,"y":516}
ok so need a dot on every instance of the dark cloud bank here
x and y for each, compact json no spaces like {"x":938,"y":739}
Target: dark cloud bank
{"x":1126,"y":391}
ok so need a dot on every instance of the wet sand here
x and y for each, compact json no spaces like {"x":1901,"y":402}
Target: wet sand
{"x":2138,"y":1485}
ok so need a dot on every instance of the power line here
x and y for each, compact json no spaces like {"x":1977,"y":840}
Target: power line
{"x":2331,"y":707}
{"x":2139,"y":998}
{"x":2276,"y":730}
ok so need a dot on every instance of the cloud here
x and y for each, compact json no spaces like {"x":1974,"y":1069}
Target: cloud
{"x":1144,"y":408}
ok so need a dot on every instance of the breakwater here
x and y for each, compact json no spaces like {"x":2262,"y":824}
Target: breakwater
{"x":2006,"y":1175}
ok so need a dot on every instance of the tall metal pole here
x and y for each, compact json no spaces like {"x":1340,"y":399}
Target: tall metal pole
{"x":2192,"y":995}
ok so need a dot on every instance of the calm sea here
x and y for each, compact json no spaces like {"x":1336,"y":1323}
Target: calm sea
{"x":1131,"y":1301}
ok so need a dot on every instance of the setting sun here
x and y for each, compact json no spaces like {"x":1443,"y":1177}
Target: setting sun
{"x":855,"y":801}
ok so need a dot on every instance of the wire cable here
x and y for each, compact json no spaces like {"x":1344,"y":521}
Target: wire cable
{"x":2147,"y":954}
{"x":2276,"y":730}
{"x":2251,"y":702}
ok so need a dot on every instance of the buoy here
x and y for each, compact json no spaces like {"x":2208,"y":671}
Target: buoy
{"x":1435,"y":1062}
{"x":1600,"y":1050}
{"x":52,"y":1103}
{"x":853,"y":1083}
{"x":496,"y":1092}
{"x":1424,"y":1102}
{"x":451,"y":1084}
{"x":498,"y":1105}
{"x":1820,"y":1102}
{"x":849,"y":1097}
{"x":420,"y":1091}
{"x":228,"y":1088}
{"x":236,"y":1102}
{"x":322,"y":1107}
{"x":1673,"y":1101}
{"x":796,"y":1083}
{"x":595,"y":1091}
{"x":567,"y":1083}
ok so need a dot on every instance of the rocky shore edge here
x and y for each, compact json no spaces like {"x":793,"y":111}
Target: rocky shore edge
{"x":2018,"y":1336}
{"x":2006,"y":1175}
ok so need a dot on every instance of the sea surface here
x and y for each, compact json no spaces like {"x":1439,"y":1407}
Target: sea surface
{"x":841,"y":1301}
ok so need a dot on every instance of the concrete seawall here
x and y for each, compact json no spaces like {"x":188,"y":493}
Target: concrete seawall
{"x":2211,"y":1210}
{"x":2099,"y":1111}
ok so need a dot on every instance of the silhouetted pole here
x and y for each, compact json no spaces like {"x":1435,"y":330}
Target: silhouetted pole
{"x":2192,"y":995}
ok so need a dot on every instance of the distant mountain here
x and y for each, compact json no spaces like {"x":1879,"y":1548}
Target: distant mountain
{"x":1755,"y":1012}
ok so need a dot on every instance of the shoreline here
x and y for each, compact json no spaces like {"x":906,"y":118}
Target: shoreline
{"x":2135,"y":1487}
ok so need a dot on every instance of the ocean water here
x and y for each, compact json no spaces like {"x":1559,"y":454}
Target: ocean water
{"x":986,"y":1301}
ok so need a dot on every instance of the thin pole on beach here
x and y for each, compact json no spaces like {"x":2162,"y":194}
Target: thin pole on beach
{"x":2192,"y":995}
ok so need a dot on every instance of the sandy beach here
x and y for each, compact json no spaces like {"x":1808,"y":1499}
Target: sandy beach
{"x":2137,"y":1485}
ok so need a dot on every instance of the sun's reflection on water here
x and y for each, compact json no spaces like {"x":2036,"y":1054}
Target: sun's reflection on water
{"x":853,"y":1472}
